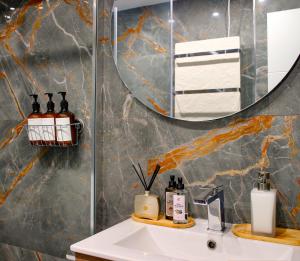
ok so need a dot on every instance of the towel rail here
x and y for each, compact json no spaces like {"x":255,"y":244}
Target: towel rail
{"x":207,"y":91}
{"x":207,"y":53}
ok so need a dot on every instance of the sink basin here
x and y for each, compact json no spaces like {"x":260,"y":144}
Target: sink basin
{"x":136,"y":241}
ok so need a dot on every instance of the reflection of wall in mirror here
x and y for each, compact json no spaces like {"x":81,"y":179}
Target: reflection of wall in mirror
{"x":207,"y":78}
{"x":283,"y":44}
{"x":130,"y":4}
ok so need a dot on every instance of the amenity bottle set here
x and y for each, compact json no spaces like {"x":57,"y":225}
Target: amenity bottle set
{"x":176,"y":202}
{"x":263,"y":203}
{"x":147,"y":205}
{"x":51,"y":128}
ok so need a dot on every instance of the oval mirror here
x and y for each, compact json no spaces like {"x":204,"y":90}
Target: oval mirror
{"x":200,"y":60}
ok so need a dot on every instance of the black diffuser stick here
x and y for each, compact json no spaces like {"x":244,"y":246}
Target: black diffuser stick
{"x":153,"y":177}
{"x":142,"y":173}
{"x":135,"y":170}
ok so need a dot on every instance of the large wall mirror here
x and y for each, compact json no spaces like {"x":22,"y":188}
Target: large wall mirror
{"x":199,"y":60}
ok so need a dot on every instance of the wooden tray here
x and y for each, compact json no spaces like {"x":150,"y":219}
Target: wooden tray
{"x":283,"y":235}
{"x":164,"y":222}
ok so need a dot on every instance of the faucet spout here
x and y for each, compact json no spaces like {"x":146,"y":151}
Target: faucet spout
{"x":213,"y":198}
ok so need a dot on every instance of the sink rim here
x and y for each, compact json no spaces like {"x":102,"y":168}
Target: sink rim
{"x":105,"y":243}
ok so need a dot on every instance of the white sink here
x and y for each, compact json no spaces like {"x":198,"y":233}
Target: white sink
{"x":135,"y":241}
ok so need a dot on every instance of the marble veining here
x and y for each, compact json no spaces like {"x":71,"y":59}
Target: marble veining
{"x":45,"y":193}
{"x":143,"y":44}
{"x":13,"y":253}
{"x":229,"y":151}
{"x":45,"y":47}
{"x":210,"y":143}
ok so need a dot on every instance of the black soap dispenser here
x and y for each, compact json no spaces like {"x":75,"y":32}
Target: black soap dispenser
{"x":169,"y":193}
{"x":49,"y":135}
{"x":65,"y":129}
{"x":34,"y":122}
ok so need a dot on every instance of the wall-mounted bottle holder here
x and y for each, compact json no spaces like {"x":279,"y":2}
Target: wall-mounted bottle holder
{"x":55,"y":135}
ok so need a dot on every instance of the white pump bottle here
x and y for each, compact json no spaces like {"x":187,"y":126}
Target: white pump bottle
{"x":263,"y":207}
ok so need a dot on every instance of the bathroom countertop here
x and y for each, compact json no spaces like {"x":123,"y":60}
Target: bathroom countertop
{"x":133,"y":241}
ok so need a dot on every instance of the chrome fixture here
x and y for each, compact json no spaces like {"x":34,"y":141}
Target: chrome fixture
{"x":213,"y":198}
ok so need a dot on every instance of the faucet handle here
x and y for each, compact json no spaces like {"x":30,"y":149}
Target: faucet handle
{"x":202,"y":194}
{"x":213,"y":198}
{"x":218,"y":189}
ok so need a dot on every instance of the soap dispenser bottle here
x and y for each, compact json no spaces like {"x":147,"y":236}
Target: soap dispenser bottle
{"x":48,"y":122}
{"x":169,"y":193}
{"x":180,"y":204}
{"x":65,"y":129}
{"x":34,"y":122}
{"x":263,"y":207}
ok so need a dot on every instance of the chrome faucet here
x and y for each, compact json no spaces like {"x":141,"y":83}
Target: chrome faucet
{"x":213,"y":198}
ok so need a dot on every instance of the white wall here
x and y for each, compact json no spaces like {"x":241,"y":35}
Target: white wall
{"x":283,"y":44}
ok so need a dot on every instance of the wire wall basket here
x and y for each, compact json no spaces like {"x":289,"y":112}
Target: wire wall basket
{"x":54,"y":135}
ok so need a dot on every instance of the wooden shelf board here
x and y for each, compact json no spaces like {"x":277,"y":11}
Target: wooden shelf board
{"x":164,"y":222}
{"x":284,"y":236}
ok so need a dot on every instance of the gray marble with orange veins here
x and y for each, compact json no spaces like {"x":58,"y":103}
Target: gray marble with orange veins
{"x":45,"y":46}
{"x":45,"y":194}
{"x":144,"y":44}
{"x":13,"y":253}
{"x":229,"y":151}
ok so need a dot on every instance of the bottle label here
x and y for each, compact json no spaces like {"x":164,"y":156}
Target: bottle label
{"x":169,"y":204}
{"x":48,"y":129}
{"x":34,"y":129}
{"x":63,"y":129}
{"x":179,"y":208}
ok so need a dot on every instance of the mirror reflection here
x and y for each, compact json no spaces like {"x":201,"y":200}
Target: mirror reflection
{"x":200,"y":60}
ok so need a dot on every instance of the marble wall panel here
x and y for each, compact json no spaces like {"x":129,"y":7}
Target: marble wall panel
{"x":229,"y":151}
{"x":13,"y":253}
{"x":44,"y":192}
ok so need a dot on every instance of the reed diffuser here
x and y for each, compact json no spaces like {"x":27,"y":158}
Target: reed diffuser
{"x":146,"y":205}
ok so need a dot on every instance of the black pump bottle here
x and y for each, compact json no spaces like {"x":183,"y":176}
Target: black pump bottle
{"x":34,"y":122}
{"x":65,"y":129}
{"x":49,"y":135}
